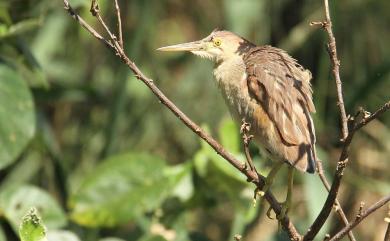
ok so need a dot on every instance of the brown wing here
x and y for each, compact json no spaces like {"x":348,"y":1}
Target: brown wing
{"x":283,"y":89}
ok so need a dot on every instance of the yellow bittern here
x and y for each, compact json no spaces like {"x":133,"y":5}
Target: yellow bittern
{"x":268,"y":89}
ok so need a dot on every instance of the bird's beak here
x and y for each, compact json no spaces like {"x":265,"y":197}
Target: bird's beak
{"x":191,"y":46}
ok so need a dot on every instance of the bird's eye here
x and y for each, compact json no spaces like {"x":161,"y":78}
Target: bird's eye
{"x":217,"y":42}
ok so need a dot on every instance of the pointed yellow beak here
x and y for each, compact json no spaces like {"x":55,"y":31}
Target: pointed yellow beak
{"x":191,"y":46}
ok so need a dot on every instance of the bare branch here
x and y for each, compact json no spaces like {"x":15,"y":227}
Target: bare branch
{"x":359,"y":218}
{"x":246,"y":138}
{"x":332,"y":48}
{"x":258,"y":180}
{"x":369,"y":118}
{"x":85,"y":25}
{"x":338,"y":208}
{"x":346,"y":135}
{"x":346,"y":138}
{"x":95,"y":11}
{"x":118,"y":15}
{"x":341,"y":164}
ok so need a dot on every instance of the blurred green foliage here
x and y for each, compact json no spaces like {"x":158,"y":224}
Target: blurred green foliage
{"x":91,"y":148}
{"x":32,"y":228}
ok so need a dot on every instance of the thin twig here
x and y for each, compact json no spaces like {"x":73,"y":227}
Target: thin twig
{"x":81,"y":21}
{"x":246,"y":138}
{"x":360,"y":218}
{"x":338,"y":208}
{"x":332,"y":48}
{"x":95,"y":11}
{"x":373,"y":116}
{"x":258,"y":180}
{"x":118,"y":15}
{"x":341,"y":164}
{"x":347,"y":135}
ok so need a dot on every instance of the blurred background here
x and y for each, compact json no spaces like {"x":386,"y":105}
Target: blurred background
{"x":90,"y":147}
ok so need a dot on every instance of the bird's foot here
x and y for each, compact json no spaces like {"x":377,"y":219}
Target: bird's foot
{"x":258,"y":193}
{"x":269,"y":211}
{"x":283,"y":212}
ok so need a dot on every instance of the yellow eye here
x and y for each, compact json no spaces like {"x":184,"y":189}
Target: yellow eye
{"x":217,"y":42}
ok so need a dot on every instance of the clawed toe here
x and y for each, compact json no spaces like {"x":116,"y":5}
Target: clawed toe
{"x":283,"y":211}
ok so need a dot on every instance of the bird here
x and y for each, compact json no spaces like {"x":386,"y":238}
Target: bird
{"x":269,"y":90}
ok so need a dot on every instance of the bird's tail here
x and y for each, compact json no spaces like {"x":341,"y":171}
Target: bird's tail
{"x":311,"y":159}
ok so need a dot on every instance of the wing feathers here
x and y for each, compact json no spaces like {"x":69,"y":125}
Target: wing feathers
{"x":282,"y":87}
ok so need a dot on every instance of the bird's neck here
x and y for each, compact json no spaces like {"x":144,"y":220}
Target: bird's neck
{"x":229,"y":70}
{"x":231,"y":77}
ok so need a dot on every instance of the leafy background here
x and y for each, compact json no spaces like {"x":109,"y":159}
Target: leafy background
{"x":92,"y":149}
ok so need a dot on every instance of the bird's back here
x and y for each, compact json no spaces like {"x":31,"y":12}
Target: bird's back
{"x":281,"y":89}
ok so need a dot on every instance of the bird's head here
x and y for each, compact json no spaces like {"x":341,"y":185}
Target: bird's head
{"x":218,"y":46}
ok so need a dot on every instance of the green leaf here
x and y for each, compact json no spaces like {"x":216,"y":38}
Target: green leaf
{"x":181,"y":177}
{"x":16,"y":201}
{"x":120,"y":189}
{"x":201,"y":162}
{"x":207,"y":153}
{"x":227,"y":168}
{"x":17,"y":116}
{"x":61,"y":235}
{"x":228,"y":134}
{"x":32,"y":228}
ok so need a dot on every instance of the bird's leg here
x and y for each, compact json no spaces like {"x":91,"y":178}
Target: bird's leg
{"x":286,"y":204}
{"x":268,"y":181}
{"x":246,"y":138}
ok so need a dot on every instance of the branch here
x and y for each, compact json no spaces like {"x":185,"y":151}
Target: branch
{"x":369,"y":118}
{"x":332,"y":49}
{"x":346,"y":134}
{"x":118,"y":15}
{"x":338,"y":207}
{"x":341,"y":164}
{"x":246,"y":138}
{"x":83,"y":24}
{"x":346,"y":138}
{"x":362,"y":215}
{"x":115,"y":46}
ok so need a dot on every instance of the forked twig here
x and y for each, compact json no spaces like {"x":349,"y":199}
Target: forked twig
{"x":118,"y":15}
{"x":346,"y":134}
{"x":362,"y":215}
{"x":332,"y":195}
{"x":338,"y":208}
{"x":246,"y":138}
